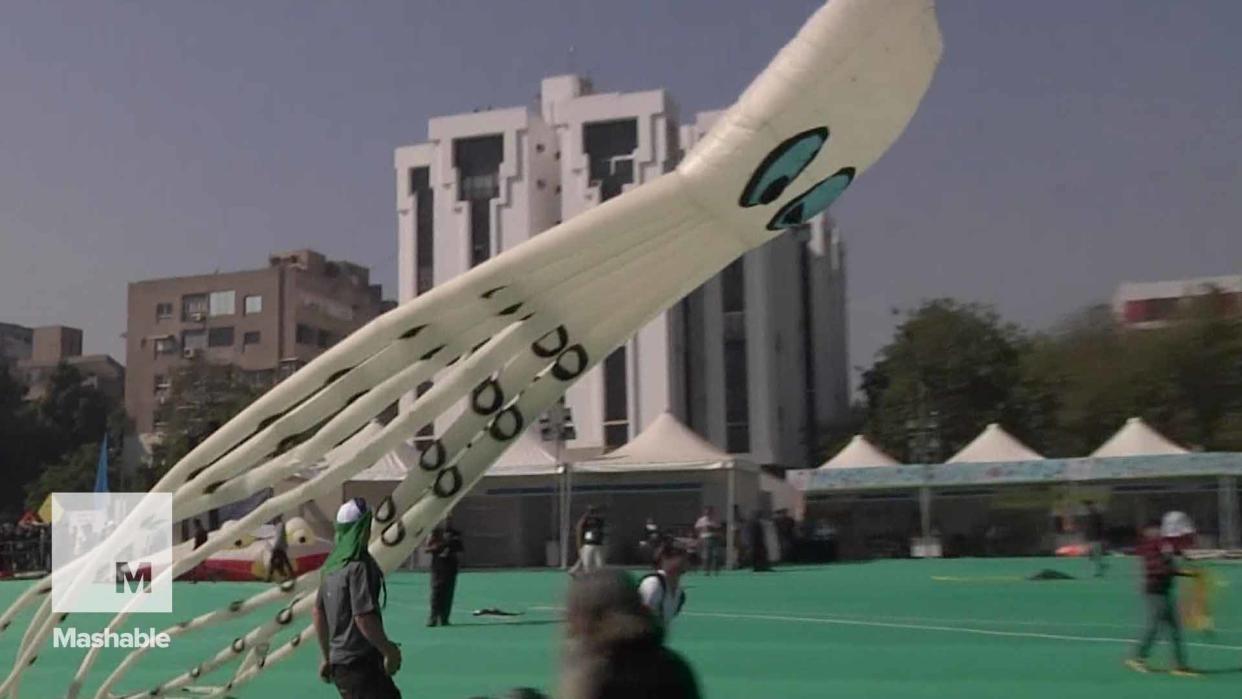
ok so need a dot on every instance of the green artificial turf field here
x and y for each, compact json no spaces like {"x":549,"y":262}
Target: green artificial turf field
{"x":964,"y":629}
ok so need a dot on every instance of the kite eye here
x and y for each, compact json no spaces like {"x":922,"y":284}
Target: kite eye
{"x":782,"y":166}
{"x":814,"y":202}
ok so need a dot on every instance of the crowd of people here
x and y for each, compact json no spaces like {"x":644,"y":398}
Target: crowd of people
{"x":614,"y":626}
{"x":25,"y":547}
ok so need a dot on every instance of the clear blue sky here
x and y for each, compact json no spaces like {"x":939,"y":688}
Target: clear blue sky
{"x":1065,"y":145}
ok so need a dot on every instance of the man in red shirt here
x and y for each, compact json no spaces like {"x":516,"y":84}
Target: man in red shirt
{"x":1162,"y":543}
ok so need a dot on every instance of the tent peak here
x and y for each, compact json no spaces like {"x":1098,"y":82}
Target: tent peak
{"x":994,"y":444}
{"x":859,"y":453}
{"x":1137,"y":438}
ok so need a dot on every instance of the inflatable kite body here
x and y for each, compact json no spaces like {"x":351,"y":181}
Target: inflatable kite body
{"x":511,"y":335}
{"x":249,"y":558}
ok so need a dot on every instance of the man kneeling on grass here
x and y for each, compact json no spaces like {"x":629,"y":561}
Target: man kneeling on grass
{"x":1162,"y":543}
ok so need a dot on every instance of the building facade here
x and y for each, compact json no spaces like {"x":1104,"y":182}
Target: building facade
{"x":267,"y":322}
{"x":16,"y":343}
{"x":754,"y":360}
{"x":33,"y":354}
{"x":1152,"y":304}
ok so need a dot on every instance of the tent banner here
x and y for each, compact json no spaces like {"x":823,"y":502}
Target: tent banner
{"x":1042,"y":471}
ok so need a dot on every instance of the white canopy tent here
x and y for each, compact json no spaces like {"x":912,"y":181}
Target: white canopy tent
{"x":994,"y":445}
{"x":1136,"y":438}
{"x":668,"y":445}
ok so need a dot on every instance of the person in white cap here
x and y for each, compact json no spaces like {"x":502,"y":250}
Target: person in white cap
{"x":1162,"y":543}
{"x":357,"y":655}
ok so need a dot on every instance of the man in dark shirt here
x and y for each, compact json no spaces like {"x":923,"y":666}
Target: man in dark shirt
{"x":357,"y":655}
{"x":1095,"y":538}
{"x":280,"y":563}
{"x":444,"y":545}
{"x":1158,"y":550}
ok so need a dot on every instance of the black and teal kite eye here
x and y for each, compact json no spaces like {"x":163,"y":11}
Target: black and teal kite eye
{"x":814,"y":202}
{"x":782,"y":166}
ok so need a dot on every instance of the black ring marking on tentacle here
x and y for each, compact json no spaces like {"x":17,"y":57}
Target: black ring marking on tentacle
{"x":431,"y":353}
{"x":441,"y":490}
{"x":510,"y":310}
{"x":62,"y":618}
{"x":239,"y":644}
{"x":262,"y":661}
{"x":228,"y":686}
{"x":504,"y":434}
{"x":564,"y":373}
{"x":196,"y":671}
{"x":562,"y":340}
{"x":293,"y":642}
{"x":288,"y":585}
{"x":184,"y":624}
{"x":386,"y":510}
{"x":478,"y":346}
{"x":213,"y":487}
{"x":487,"y":397}
{"x":235,"y":605}
{"x":436,"y":450}
{"x":397,"y":537}
{"x":5,"y":626}
{"x":491,"y":292}
{"x":412,"y":332}
{"x":782,"y":165}
{"x":284,"y":616}
{"x":155,"y":692}
{"x":453,"y":361}
{"x":336,"y":376}
{"x":352,"y":398}
{"x":526,"y":317}
{"x":33,"y":658}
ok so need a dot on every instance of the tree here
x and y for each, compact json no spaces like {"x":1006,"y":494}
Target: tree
{"x":203,"y":396}
{"x":956,"y":362}
{"x":1185,"y":378}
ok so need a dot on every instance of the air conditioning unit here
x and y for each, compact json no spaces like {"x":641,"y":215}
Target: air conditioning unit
{"x":198,"y":317}
{"x":189,"y":353}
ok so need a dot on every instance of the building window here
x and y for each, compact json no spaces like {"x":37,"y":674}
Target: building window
{"x":737,"y":379}
{"x":304,"y":335}
{"x":165,"y":346}
{"x":251,"y":338}
{"x":220,"y":337}
{"x":326,"y":339}
{"x":478,"y":162}
{"x":616,"y":400}
{"x":161,"y":384}
{"x":163,"y":311}
{"x":609,"y":147}
{"x":194,"y":307}
{"x":480,"y":231}
{"x":194,"y":340}
{"x":253,"y":305}
{"x":424,"y":231}
{"x":222,"y":303}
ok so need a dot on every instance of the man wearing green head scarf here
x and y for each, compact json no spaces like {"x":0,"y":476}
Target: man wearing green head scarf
{"x":357,"y":655}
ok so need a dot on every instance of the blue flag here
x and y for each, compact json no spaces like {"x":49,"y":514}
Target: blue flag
{"x":101,"y":470}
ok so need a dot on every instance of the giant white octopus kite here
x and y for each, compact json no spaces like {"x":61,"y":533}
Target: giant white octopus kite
{"x":512,"y":334}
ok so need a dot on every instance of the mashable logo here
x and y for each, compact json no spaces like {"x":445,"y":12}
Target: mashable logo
{"x":112,"y":552}
{"x":126,"y":578}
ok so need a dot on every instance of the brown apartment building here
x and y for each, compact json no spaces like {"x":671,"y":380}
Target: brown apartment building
{"x":268,"y":322}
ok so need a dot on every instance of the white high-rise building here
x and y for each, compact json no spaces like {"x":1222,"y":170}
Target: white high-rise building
{"x":754,"y":360}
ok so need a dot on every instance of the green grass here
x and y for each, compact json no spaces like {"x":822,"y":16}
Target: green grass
{"x":903,"y":629}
